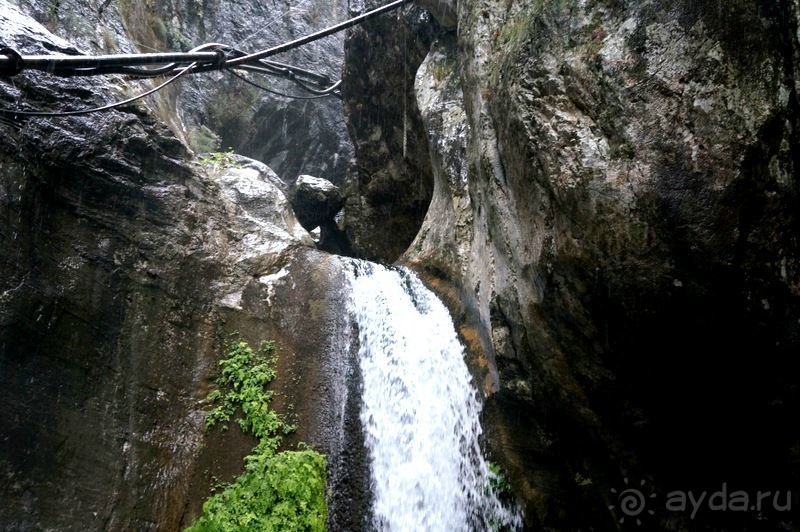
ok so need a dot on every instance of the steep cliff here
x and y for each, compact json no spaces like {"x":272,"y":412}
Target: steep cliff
{"x":615,"y":210}
{"x":126,"y":263}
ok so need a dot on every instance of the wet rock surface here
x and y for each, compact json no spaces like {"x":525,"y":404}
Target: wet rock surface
{"x":125,"y":265}
{"x":315,"y":201}
{"x":614,"y":219}
{"x":213,"y":112}
{"x":444,"y":11}
{"x":389,"y":188}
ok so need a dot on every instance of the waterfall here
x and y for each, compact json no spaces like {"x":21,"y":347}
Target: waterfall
{"x":420,"y":411}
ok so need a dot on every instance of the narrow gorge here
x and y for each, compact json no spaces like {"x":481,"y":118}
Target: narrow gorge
{"x":521,"y":264}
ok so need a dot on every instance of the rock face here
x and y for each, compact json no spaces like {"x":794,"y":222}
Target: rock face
{"x":215,"y":111}
{"x":305,"y":136}
{"x":616,"y":206}
{"x":125,"y":264}
{"x":389,"y":189}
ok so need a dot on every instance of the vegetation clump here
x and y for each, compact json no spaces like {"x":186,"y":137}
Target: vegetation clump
{"x":498,"y":485}
{"x":220,"y":159}
{"x":498,"y":481}
{"x":278,"y":490}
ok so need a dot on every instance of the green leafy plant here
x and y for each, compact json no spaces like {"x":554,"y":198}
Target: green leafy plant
{"x":498,"y":484}
{"x":220,"y":159}
{"x":498,"y":481}
{"x":278,"y":490}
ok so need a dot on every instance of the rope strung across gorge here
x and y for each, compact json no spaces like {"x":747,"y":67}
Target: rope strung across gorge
{"x":205,"y":58}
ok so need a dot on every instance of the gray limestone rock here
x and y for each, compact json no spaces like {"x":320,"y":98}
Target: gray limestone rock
{"x":614,"y":218}
{"x":315,"y":201}
{"x":125,"y":265}
{"x":216,"y":111}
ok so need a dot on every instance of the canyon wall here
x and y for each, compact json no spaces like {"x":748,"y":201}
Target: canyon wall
{"x":126,"y":264}
{"x":614,"y":222}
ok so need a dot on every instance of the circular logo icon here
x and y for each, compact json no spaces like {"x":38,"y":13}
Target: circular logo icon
{"x":632,"y":502}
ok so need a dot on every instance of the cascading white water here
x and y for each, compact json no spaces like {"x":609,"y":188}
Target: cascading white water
{"x":419,"y":410}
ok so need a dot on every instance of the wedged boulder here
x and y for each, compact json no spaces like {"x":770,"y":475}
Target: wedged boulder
{"x":259,"y":193}
{"x":316,"y":201}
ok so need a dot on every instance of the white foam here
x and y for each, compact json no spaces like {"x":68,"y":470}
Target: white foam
{"x":420,"y":411}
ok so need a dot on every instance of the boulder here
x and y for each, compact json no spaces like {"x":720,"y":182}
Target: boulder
{"x":315,"y":201}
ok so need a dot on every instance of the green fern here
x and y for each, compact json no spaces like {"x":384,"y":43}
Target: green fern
{"x":277,"y":491}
